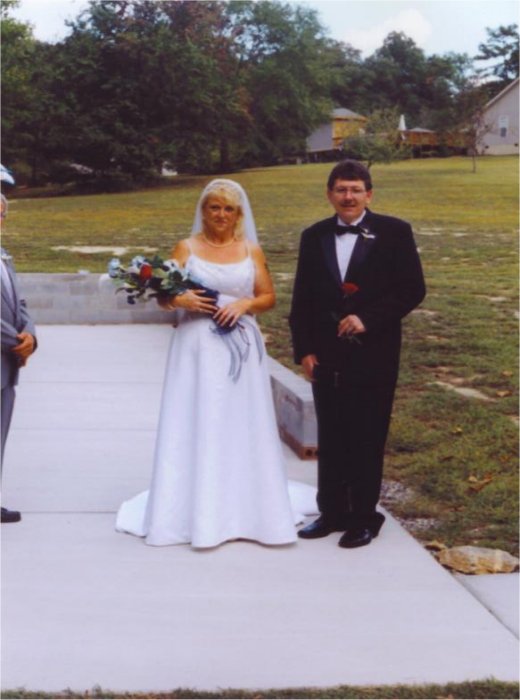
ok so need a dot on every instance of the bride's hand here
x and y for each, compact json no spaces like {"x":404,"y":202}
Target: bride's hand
{"x":192,"y":300}
{"x":229,"y":314}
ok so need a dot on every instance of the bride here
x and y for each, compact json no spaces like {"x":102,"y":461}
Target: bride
{"x":218,"y":469}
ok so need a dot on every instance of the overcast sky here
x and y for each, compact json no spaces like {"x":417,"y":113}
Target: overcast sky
{"x":437,"y":26}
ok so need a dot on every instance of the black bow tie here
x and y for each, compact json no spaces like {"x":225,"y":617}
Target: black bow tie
{"x":351,"y":228}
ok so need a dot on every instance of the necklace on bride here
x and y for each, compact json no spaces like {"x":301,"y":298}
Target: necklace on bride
{"x":219,"y":245}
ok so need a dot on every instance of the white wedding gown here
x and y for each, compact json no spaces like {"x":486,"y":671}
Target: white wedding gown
{"x":218,"y":468}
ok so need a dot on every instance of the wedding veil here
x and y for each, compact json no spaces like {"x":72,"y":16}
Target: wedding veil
{"x":248,"y":220}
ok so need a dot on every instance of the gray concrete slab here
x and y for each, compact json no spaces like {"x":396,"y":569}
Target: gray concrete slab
{"x":499,"y":593}
{"x":84,"y":605}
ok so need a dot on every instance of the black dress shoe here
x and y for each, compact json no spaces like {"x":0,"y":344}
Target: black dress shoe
{"x":356,"y":537}
{"x":10,"y":516}
{"x":319,"y":528}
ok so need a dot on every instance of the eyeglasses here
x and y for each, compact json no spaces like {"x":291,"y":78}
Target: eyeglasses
{"x":356,"y":191}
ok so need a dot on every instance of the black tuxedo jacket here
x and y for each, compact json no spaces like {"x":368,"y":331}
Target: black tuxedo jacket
{"x":386,"y":270}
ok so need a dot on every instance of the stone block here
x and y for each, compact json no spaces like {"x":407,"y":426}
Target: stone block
{"x":294,"y":408}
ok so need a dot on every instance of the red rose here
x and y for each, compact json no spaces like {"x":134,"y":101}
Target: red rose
{"x":349,"y":288}
{"x":145,"y":272}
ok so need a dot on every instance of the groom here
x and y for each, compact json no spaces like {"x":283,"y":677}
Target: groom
{"x":358,"y":275}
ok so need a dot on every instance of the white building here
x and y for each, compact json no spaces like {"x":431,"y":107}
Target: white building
{"x":501,"y":123}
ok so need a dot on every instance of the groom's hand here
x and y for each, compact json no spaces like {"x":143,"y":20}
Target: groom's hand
{"x":350,"y":325}
{"x":308,"y":364}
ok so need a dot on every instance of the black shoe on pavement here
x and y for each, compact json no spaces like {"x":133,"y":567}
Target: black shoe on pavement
{"x":10,"y":516}
{"x":356,"y":537}
{"x":319,"y":528}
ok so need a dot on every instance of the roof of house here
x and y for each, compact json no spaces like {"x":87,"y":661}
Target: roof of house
{"x":502,"y":92}
{"x":343,"y":113}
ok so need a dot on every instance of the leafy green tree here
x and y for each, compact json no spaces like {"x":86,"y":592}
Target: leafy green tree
{"x":446,"y":76}
{"x":284,"y":67}
{"x":470,"y":115}
{"x":396,"y":75}
{"x":18,"y":95}
{"x":204,"y":85}
{"x":349,"y":78}
{"x":138,"y":78}
{"x":381,"y":142}
{"x":399,"y":75}
{"x":501,"y":46}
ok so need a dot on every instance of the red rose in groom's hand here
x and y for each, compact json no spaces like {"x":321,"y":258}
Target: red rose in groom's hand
{"x":349,"y":288}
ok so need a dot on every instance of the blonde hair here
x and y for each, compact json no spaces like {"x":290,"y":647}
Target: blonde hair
{"x":230,"y":193}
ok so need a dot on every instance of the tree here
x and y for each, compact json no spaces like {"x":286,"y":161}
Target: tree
{"x":381,"y":142}
{"x":284,"y":64}
{"x":502,"y":46}
{"x":399,"y":75}
{"x":396,"y":76}
{"x":469,"y":115}
{"x":206,"y":86}
{"x":348,"y":77}
{"x":18,"y":94}
{"x":141,"y":78}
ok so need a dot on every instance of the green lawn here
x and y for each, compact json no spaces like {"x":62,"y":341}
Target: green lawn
{"x":452,"y":460}
{"x":486,"y":690}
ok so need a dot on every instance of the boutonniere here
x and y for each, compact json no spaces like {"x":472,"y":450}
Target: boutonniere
{"x":6,"y":258}
{"x":365,"y":233}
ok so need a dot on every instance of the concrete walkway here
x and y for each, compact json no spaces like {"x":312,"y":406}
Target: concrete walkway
{"x":84,"y":605}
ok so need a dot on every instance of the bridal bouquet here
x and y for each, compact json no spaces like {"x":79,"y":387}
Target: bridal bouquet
{"x":146,"y":279}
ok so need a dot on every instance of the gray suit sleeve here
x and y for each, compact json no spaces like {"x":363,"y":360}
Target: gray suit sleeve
{"x":9,"y":339}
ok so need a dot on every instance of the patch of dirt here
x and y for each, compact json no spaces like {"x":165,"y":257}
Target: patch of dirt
{"x":436,"y":338}
{"x":394,"y":492}
{"x":424,"y":312}
{"x":464,"y":391}
{"x":447,"y":374}
{"x":92,"y":249}
{"x":447,"y":379}
{"x":418,"y":525}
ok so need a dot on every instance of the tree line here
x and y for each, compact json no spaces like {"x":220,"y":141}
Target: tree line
{"x":208,"y":86}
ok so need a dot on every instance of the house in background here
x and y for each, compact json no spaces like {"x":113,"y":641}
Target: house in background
{"x":422,"y":141}
{"x":425,"y":142}
{"x":501,"y":123}
{"x":326,"y":142}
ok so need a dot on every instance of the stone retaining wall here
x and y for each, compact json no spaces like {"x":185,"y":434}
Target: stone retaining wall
{"x":63,"y":298}
{"x":81,"y":298}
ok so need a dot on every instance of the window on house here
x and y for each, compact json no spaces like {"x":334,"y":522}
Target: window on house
{"x":503,"y":124}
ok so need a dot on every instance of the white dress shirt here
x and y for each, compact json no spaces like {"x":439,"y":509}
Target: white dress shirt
{"x":345,"y":245}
